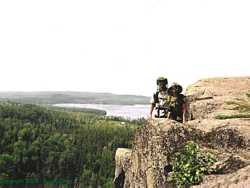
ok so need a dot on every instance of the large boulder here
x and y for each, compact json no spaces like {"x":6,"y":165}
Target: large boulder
{"x":153,"y":145}
{"x":122,"y":163}
{"x":238,"y":179}
{"x":207,"y":97}
{"x":159,"y":139}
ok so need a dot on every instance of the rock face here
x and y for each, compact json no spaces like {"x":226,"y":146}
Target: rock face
{"x":207,"y":97}
{"x":122,"y":159}
{"x":155,"y":143}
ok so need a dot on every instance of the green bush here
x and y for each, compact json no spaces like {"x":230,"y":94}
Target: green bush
{"x":190,"y":164}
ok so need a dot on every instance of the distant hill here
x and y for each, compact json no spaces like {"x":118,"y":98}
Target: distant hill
{"x":55,"y":97}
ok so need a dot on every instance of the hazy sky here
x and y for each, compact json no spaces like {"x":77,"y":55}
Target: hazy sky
{"x":120,"y":46}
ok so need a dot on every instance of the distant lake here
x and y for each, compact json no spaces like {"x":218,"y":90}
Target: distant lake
{"x":125,"y":111}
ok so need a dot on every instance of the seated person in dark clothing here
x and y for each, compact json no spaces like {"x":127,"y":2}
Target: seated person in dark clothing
{"x":177,"y":103}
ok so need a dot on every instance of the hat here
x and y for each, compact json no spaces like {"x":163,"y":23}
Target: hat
{"x":177,"y":86}
{"x":163,"y":80}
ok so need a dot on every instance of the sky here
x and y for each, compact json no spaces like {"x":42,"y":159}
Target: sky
{"x":120,"y":46}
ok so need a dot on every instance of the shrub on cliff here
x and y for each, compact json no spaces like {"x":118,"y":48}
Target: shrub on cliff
{"x":190,"y":164}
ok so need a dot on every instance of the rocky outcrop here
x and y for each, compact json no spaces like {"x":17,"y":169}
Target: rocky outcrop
{"x":208,"y":97}
{"x":238,"y":179}
{"x":229,"y":140}
{"x":122,"y":159}
{"x":153,"y":144}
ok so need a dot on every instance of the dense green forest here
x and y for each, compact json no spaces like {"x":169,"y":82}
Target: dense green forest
{"x":42,"y":144}
{"x":55,"y":97}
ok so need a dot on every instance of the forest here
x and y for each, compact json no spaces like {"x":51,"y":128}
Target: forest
{"x":40,"y":145}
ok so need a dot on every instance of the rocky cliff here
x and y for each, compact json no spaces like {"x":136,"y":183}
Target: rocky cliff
{"x":228,"y":139}
{"x":208,"y":97}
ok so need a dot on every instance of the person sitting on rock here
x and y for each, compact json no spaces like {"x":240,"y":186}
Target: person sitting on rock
{"x":158,"y":100}
{"x":177,"y":103}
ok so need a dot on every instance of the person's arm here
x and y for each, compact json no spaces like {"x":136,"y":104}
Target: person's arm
{"x":152,"y":109}
{"x":152,"y":102}
{"x":184,"y":111}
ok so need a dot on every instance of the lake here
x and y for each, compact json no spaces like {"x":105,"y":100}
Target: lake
{"x":125,"y":111}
